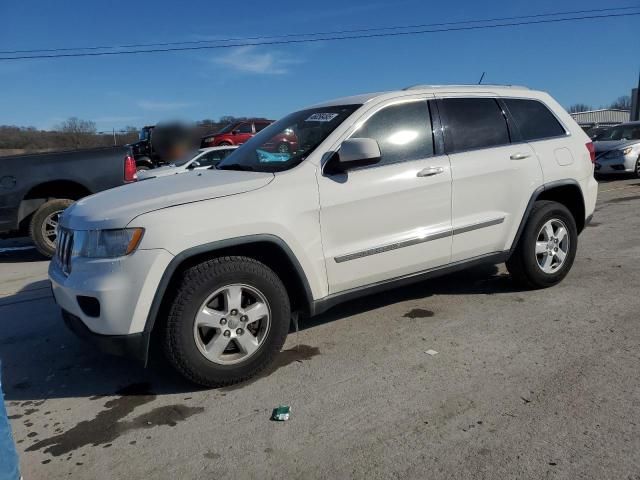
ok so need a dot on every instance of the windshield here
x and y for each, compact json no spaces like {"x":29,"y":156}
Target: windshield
{"x":226,"y":129}
{"x":621,"y":132}
{"x":286,"y":143}
{"x":186,"y":157}
{"x":144,"y":134}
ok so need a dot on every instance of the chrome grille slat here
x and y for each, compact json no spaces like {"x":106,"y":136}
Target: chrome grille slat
{"x":64,"y":250}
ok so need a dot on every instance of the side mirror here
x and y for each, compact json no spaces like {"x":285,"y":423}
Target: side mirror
{"x":353,"y":153}
{"x":235,"y":132}
{"x":194,"y":164}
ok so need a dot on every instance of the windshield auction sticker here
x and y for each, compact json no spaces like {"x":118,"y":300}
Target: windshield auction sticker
{"x":322,"y":117}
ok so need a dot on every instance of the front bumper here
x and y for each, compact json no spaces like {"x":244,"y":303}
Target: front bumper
{"x":135,"y":346}
{"x":622,"y":164}
{"x":110,"y":297}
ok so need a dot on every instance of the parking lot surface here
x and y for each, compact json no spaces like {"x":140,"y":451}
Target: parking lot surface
{"x":525,"y":384}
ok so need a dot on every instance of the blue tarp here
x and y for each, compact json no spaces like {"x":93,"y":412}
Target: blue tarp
{"x":8,"y":457}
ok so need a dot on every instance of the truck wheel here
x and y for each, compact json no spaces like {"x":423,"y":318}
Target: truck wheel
{"x":546,"y":250}
{"x":229,"y":319}
{"x":44,"y":223}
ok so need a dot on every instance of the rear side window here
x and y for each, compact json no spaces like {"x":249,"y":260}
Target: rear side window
{"x":534,"y":120}
{"x":472,"y":123}
{"x":403,"y":132}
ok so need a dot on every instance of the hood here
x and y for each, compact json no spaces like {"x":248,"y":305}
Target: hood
{"x":607,"y":145}
{"x":115,"y":208}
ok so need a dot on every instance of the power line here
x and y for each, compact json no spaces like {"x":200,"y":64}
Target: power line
{"x":312,"y":34}
{"x":314,"y":40}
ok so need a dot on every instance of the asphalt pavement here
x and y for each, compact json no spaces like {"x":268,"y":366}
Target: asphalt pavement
{"x":524,"y":384}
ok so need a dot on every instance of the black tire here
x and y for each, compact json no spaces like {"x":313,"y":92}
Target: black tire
{"x":197,"y":283}
{"x":224,"y":144}
{"x":523,"y":263}
{"x":142,"y":168}
{"x":637,"y":170}
{"x":45,"y":242}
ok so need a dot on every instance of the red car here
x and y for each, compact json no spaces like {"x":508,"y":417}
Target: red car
{"x":235,"y":133}
{"x":239,"y":132}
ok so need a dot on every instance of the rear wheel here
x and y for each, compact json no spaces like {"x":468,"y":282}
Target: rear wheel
{"x":224,"y":144}
{"x":283,"y":147}
{"x":43,"y":228}
{"x":229,"y":319}
{"x":547,"y":248}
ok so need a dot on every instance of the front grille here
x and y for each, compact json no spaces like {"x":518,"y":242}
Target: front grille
{"x":64,"y":247}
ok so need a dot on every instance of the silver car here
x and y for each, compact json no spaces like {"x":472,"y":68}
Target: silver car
{"x":204,"y":158}
{"x":618,"y":149}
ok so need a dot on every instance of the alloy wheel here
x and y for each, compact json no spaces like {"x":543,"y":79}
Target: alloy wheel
{"x":552,"y":246}
{"x":232,"y":324}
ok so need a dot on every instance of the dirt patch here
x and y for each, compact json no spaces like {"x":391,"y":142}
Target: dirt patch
{"x":418,"y":313}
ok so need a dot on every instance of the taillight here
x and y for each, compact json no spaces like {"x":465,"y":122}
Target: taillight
{"x":130,"y":174}
{"x":592,"y":152}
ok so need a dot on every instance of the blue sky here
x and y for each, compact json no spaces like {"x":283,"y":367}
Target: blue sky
{"x":592,"y":61}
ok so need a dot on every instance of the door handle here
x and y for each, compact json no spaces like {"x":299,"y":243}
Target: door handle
{"x":430,"y":171}
{"x":519,"y":156}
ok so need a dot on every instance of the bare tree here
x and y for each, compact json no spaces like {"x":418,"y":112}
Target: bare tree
{"x":78,"y":133}
{"x":579,"y":107}
{"x":622,"y":103}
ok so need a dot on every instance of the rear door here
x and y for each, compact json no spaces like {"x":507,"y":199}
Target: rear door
{"x":393,"y":218}
{"x":244,"y":132}
{"x":493,"y":174}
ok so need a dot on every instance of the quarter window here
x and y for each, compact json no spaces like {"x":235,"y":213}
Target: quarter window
{"x":403,"y":132}
{"x":472,"y":123}
{"x":534,"y":120}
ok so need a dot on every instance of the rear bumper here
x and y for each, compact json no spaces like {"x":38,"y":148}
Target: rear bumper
{"x":135,"y":345}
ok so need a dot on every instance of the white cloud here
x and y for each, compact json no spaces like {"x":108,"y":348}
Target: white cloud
{"x":162,"y":106}
{"x":248,"y":60}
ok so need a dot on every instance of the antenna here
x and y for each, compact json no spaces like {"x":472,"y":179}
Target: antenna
{"x":481,"y":78}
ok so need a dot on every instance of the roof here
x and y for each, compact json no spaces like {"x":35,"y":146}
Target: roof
{"x":364,"y":98}
{"x":606,"y":116}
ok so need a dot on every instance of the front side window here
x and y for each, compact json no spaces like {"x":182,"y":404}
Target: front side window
{"x":261,"y":126}
{"x":472,"y":123}
{"x":302,"y":132}
{"x":403,"y":132}
{"x":534,"y":120}
{"x":244,"y":128}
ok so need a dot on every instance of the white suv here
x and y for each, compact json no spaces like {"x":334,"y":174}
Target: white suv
{"x":381,"y":190}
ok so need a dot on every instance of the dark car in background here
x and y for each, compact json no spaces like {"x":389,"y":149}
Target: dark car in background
{"x":36,"y":188}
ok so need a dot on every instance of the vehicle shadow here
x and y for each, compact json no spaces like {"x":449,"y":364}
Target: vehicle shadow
{"x":41,"y":359}
{"x":480,"y":280}
{"x":17,"y":250}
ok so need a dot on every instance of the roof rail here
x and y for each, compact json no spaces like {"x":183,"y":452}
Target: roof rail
{"x":483,"y":85}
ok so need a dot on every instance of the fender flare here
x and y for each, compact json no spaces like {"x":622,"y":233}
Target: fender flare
{"x":171,"y":269}
{"x":534,"y":196}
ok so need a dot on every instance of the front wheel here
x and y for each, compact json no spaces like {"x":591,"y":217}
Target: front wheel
{"x":547,"y":248}
{"x":637,"y":170}
{"x":43,"y":228}
{"x":229,"y":319}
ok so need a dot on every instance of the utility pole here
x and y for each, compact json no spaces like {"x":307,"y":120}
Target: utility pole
{"x":635,"y":102}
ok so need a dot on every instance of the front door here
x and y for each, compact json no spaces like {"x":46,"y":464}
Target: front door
{"x":394,"y":218}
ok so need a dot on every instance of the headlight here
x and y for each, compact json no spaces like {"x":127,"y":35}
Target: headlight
{"x":106,"y":243}
{"x":618,"y":153}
